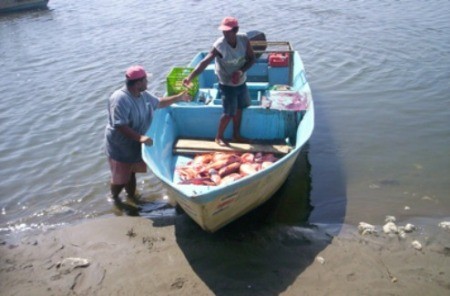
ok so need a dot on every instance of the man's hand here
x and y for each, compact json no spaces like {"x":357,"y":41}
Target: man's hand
{"x":236,"y":76}
{"x":187,"y":83}
{"x":184,"y":96}
{"x":146,"y":140}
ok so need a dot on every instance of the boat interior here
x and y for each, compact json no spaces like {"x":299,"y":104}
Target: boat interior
{"x":276,"y":65}
{"x":188,"y":129}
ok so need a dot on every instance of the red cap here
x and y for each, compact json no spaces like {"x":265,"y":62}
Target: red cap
{"x":135,"y":72}
{"x":228,"y":23}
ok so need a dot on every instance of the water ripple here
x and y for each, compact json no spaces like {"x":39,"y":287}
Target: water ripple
{"x":368,"y":61}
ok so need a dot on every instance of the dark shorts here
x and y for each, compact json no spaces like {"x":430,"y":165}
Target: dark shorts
{"x":234,"y":98}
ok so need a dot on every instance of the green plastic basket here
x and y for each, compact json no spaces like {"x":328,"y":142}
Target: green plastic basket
{"x":175,"y":81}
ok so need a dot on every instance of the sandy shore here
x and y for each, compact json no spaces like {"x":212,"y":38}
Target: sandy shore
{"x":138,"y":256}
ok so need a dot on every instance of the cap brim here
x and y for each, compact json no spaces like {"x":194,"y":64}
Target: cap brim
{"x":225,"y":28}
{"x":148,"y":75}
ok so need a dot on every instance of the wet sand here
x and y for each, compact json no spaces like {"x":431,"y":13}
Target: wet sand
{"x":172,"y":256}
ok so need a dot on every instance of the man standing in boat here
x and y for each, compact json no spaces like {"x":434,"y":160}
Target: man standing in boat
{"x":233,"y":56}
{"x":130,"y":113}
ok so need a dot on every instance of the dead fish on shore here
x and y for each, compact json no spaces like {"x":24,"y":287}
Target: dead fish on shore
{"x":70,"y":263}
{"x":417,"y":245}
{"x":390,"y":228}
{"x":445,"y":225}
{"x":366,"y":228}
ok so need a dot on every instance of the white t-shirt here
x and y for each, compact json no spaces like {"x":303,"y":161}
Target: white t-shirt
{"x":232,"y":59}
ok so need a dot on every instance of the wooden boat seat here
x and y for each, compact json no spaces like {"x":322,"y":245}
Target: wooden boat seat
{"x":196,"y":146}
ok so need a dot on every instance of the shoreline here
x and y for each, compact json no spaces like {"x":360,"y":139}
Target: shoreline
{"x":173,"y":256}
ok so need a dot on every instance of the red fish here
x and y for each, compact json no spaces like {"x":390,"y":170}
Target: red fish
{"x":221,"y":155}
{"x":247,"y":157}
{"x":186,"y":172}
{"x":257,"y":166}
{"x":212,"y":169}
{"x":230,"y":178}
{"x":269,"y":157}
{"x":230,"y":168}
{"x":258,"y":157}
{"x":217,"y":165}
{"x":215,"y":176}
{"x":266,"y":164}
{"x":203,"y":158}
{"x":247,"y":169}
{"x":197,"y":181}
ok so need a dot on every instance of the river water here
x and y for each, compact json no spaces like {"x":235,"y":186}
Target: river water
{"x":379,"y":72}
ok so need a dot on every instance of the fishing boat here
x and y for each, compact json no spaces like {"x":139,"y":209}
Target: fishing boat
{"x":279,"y":122}
{"x":18,"y":5}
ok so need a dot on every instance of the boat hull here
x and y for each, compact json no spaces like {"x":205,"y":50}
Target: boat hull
{"x":234,"y":201}
{"x":18,"y":5}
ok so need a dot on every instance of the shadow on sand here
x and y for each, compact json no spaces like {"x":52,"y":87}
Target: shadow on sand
{"x":263,"y":252}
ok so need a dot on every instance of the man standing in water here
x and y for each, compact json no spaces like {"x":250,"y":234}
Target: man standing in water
{"x":130,"y":113}
{"x":233,"y":57}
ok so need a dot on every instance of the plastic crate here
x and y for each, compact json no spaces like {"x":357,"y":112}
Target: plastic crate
{"x":175,"y":81}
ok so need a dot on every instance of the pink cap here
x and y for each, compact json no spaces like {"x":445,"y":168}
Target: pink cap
{"x":228,"y":23}
{"x":135,"y":72}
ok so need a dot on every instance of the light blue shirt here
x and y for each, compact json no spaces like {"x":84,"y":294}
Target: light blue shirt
{"x":137,"y":113}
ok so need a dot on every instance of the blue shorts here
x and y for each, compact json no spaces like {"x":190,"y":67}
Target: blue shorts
{"x":234,"y":98}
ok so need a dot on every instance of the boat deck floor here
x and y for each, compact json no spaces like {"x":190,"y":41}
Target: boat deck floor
{"x":200,"y":146}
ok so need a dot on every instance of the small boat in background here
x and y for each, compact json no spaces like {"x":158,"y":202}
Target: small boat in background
{"x":278,"y":124}
{"x":19,"y":5}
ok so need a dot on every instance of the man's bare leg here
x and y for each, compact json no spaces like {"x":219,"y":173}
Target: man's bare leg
{"x":224,"y":120}
{"x":237,"y":127}
{"x":130,"y":189}
{"x":115,"y":192}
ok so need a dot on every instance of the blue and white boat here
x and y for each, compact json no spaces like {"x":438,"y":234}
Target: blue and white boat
{"x":274,"y":123}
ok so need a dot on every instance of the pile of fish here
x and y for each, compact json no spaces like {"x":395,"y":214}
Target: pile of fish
{"x":220,"y":168}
